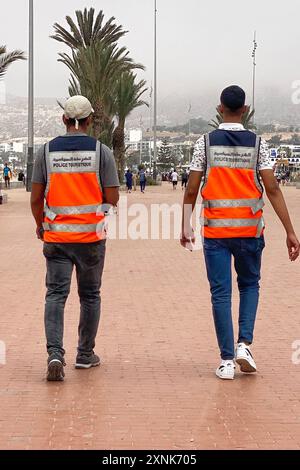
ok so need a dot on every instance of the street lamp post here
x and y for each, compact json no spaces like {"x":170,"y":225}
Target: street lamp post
{"x":141,"y":141}
{"x":30,"y":102}
{"x":150,"y":127}
{"x":155,"y":95}
{"x":254,"y":74}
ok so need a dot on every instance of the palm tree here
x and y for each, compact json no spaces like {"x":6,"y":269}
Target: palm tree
{"x":89,"y":30}
{"x":94,"y":74}
{"x":247,"y":119}
{"x":215,"y":123}
{"x":128,"y":97}
{"x":95,"y":63}
{"x":7,"y":58}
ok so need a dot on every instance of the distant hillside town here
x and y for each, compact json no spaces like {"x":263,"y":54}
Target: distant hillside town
{"x":177,"y":139}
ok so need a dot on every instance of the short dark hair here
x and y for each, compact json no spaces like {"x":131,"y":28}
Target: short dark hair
{"x":233,"y":98}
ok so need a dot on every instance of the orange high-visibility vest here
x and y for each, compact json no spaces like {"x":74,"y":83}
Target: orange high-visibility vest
{"x":73,"y":212}
{"x":232,"y":193}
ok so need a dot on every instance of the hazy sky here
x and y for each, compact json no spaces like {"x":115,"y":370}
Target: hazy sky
{"x":202,"y":45}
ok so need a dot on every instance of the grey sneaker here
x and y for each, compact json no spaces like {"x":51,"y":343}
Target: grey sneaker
{"x":86,"y":362}
{"x":55,"y":371}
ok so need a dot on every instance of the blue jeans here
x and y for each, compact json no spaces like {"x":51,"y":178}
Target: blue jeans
{"x":247,"y":254}
{"x":88,"y":260}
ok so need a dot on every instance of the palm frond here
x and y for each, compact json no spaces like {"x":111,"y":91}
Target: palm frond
{"x":7,"y":58}
{"x":88,"y":30}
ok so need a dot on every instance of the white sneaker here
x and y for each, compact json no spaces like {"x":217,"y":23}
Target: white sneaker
{"x":226,"y":370}
{"x":244,"y":358}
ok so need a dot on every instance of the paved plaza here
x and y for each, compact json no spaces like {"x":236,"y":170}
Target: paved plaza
{"x":156,"y":388}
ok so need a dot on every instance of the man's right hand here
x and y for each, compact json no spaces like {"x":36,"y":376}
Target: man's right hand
{"x":40,"y":233}
{"x":293,"y":246}
{"x":187,"y":238}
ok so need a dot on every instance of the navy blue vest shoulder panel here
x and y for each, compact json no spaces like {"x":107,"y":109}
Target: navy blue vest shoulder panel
{"x":73,"y":143}
{"x":221,"y":137}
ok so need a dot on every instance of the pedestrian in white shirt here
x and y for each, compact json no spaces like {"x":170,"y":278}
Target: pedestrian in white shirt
{"x":174,"y":179}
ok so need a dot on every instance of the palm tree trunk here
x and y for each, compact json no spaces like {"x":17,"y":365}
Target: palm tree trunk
{"x":119,"y":148}
{"x":98,"y":119}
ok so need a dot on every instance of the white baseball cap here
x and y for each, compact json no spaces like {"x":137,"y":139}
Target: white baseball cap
{"x":78,"y":107}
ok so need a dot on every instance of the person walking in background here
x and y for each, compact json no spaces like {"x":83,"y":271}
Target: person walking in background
{"x":75,"y":175}
{"x":7,"y":174}
{"x":184,"y":179}
{"x":230,"y":159}
{"x":143,"y":180}
{"x":21,"y":177}
{"x":174,"y":178}
{"x":129,"y":177}
{"x":134,"y":179}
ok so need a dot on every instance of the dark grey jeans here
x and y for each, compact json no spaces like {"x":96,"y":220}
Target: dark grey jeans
{"x":89,"y":263}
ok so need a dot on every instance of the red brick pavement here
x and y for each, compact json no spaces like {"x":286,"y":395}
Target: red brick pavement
{"x":156,"y":388}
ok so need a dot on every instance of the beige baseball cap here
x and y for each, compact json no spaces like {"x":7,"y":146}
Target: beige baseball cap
{"x":78,"y":107}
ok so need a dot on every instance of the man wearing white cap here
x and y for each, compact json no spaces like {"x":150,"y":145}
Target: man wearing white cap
{"x":74,"y":176}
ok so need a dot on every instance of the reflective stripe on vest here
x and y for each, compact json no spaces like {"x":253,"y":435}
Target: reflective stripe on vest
{"x":229,"y":222}
{"x":232,"y":223}
{"x":52,"y":212}
{"x":255,"y":204}
{"x":233,"y":157}
{"x":72,"y":162}
{"x":74,"y":228}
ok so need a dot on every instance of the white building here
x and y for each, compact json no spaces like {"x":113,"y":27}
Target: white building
{"x":277,"y":153}
{"x":135,"y":135}
{"x":16,"y":147}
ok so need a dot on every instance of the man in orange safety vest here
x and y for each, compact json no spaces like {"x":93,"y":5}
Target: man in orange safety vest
{"x":233,"y":161}
{"x":74,"y":176}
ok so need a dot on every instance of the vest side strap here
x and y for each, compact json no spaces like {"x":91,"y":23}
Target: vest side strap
{"x":260,"y":227}
{"x":259,"y":206}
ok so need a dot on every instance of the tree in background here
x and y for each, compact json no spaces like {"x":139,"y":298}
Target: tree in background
{"x":247,"y":120}
{"x":7,"y":58}
{"x":275,"y":140}
{"x":94,"y":73}
{"x":103,"y":72}
{"x":165,"y":158}
{"x":127,"y":97}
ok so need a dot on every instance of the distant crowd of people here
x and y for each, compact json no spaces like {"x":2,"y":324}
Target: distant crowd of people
{"x":282,"y":176}
{"x":132,"y":179}
{"x":174,"y":177}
